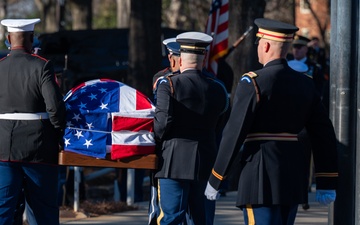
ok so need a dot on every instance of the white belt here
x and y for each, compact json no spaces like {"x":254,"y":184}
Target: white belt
{"x":24,"y":116}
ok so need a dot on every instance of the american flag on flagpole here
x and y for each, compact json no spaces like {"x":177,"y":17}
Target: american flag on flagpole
{"x":107,"y":116}
{"x":217,"y":26}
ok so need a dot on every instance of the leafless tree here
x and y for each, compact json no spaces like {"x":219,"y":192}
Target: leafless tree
{"x":242,"y":15}
{"x":3,"y":6}
{"x":186,"y":15}
{"x":123,"y":13}
{"x":173,"y":14}
{"x":144,"y":44}
{"x":81,"y":13}
{"x":283,"y":10}
{"x":48,"y":15}
{"x":322,"y":21}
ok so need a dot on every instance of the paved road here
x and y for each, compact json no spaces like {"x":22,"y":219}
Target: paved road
{"x":226,"y":214}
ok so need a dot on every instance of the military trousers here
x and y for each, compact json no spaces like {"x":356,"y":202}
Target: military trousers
{"x":39,"y":183}
{"x":270,"y":215}
{"x":183,"y":201}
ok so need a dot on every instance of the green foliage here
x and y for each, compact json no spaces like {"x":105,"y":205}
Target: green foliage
{"x":106,"y":17}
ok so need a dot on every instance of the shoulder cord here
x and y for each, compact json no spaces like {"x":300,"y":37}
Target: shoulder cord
{"x":253,"y":75}
{"x":172,"y":91}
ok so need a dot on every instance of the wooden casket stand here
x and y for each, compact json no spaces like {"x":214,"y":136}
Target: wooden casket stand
{"x":134,"y":162}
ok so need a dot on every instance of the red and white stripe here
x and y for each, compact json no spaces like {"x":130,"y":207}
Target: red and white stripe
{"x":132,"y":127}
{"x":217,"y":26}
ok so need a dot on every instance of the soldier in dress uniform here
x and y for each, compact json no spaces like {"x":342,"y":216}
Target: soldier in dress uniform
{"x":271,"y":106}
{"x":173,"y":49}
{"x":315,"y":72}
{"x":318,"y":54}
{"x":20,"y":208}
{"x":32,"y":116}
{"x":304,"y":139}
{"x":173,"y":55}
{"x":188,"y":107}
{"x":300,"y":51}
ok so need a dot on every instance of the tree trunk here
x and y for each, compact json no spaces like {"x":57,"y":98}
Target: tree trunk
{"x":144,"y":44}
{"x":198,"y":13}
{"x":3,"y":6}
{"x":81,"y":13}
{"x":244,"y":57}
{"x":173,"y":14}
{"x":123,"y":13}
{"x":48,"y":15}
{"x":283,"y":10}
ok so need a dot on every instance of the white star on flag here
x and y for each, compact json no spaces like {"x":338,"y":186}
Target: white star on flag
{"x":89,"y":125}
{"x":77,"y":117}
{"x":92,"y":96}
{"x":88,"y":143}
{"x":69,"y":124}
{"x":79,"y":134}
{"x":82,"y":105}
{"x":103,"y":106}
{"x":67,"y":142}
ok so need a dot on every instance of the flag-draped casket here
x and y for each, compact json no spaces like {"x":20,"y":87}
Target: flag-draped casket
{"x":107,"y":116}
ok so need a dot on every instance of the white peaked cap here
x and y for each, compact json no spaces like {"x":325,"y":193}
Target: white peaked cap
{"x":20,"y":25}
{"x":169,"y":40}
{"x":193,"y":42}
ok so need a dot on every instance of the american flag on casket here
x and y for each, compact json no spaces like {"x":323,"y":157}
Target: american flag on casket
{"x":107,"y":116}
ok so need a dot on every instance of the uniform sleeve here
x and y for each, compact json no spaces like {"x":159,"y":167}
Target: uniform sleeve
{"x":55,"y":105}
{"x":323,"y":141}
{"x":163,"y":110}
{"x":236,"y":129}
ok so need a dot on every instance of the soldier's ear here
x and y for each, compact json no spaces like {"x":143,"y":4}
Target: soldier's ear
{"x":267,"y":46}
{"x":9,"y":38}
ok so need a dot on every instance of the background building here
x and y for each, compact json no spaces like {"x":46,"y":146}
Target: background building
{"x":313,"y":19}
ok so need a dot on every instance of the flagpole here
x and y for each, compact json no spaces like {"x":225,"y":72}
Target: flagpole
{"x":237,"y":42}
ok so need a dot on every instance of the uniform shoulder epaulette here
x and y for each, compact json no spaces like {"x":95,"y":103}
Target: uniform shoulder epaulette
{"x":253,"y":75}
{"x":250,"y":74}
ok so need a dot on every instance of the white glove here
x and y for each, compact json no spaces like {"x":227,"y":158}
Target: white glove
{"x":325,"y":197}
{"x":211,"y":193}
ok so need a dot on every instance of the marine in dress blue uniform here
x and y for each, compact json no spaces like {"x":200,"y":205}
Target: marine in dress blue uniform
{"x":188,"y":108}
{"x":32,"y":115}
{"x":271,"y":106}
